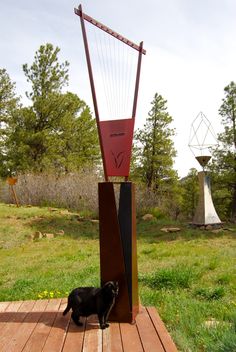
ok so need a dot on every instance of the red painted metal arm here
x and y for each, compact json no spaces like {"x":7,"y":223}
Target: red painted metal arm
{"x":90,"y":71}
{"x":137,"y":81}
{"x":108,"y":30}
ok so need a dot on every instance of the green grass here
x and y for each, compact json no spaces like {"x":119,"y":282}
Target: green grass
{"x":189,"y":276}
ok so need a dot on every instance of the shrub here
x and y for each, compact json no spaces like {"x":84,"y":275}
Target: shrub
{"x":210,"y":293}
{"x":73,"y":191}
{"x":223,"y":279}
{"x":170,"y":278}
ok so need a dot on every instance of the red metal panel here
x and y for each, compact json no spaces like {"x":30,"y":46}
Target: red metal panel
{"x":116,"y":139}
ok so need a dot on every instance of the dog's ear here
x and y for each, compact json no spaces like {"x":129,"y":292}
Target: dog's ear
{"x":110,"y":284}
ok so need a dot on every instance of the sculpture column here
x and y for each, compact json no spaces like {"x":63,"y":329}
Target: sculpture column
{"x":118,"y":248}
{"x":205,"y":213}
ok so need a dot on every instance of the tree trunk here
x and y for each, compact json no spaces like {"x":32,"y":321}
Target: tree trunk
{"x":233,"y":208}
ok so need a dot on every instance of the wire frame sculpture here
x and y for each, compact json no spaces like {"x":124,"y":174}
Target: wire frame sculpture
{"x":202,"y":139}
{"x":114,"y":80}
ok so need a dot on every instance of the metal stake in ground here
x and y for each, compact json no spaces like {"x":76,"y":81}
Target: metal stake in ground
{"x":12,"y":181}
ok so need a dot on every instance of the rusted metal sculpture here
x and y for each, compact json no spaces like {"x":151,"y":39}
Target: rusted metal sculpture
{"x":118,"y":252}
{"x":202,"y":138}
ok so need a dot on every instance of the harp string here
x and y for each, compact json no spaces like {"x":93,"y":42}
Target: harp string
{"x":114,"y":67}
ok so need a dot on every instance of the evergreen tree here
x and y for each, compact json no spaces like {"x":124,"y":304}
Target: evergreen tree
{"x":190,"y":193}
{"x":8,"y":106}
{"x":224,"y":156}
{"x":155,"y":149}
{"x":46,"y":74}
{"x":57,"y":132}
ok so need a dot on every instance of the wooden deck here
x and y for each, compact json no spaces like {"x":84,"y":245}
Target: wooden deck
{"x":39,"y":326}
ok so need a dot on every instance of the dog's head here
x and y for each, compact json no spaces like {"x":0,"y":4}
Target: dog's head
{"x":112,"y":286}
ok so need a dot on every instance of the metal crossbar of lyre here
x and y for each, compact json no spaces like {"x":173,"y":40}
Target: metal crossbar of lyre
{"x":115,"y":136}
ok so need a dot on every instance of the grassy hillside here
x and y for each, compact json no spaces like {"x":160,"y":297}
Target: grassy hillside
{"x":189,"y":275}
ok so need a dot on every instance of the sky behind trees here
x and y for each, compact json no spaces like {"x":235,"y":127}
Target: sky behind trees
{"x":191,"y":52}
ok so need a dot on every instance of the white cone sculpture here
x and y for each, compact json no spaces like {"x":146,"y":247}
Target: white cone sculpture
{"x":202,"y":138}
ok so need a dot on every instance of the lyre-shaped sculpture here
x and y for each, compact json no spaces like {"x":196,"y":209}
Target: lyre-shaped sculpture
{"x":115,"y":135}
{"x":117,"y":225}
{"x":202,"y":138}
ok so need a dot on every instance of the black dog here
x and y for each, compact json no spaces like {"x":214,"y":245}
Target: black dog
{"x":85,"y":301}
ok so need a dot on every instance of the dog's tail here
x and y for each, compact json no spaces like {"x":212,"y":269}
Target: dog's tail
{"x":67,"y":309}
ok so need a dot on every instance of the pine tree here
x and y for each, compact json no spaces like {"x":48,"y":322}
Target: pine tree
{"x":9,"y":103}
{"x":190,"y":193}
{"x":57,"y":132}
{"x":154,"y":147}
{"x":46,"y":74}
{"x":224,"y":157}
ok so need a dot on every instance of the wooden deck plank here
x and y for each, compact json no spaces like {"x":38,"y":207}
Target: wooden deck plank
{"x":161,"y":330}
{"x":8,"y":315}
{"x":40,"y":334}
{"x":75,"y":337}
{"x":150,"y":339}
{"x":39,"y":326}
{"x":130,"y":338}
{"x":10,"y":329}
{"x":26,"y":327}
{"x":3,"y":306}
{"x":111,"y":339}
{"x":93,"y":335}
{"x":56,"y":337}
